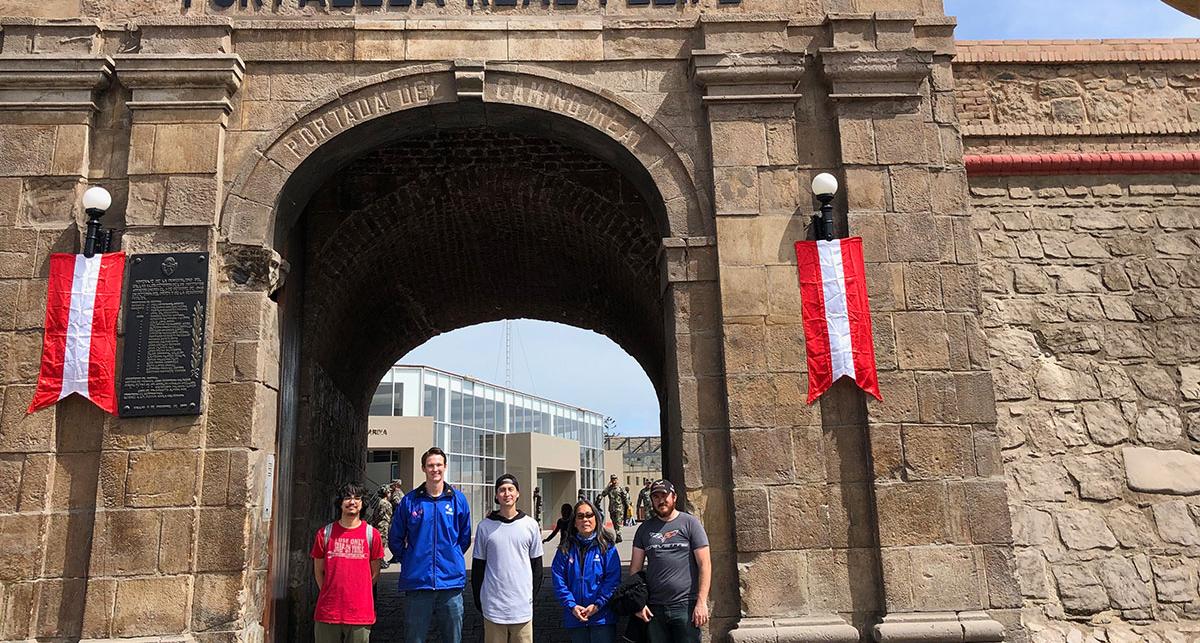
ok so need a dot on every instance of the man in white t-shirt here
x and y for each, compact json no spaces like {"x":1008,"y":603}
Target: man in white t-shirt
{"x":506,"y":572}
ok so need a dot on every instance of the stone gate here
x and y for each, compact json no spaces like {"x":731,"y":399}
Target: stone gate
{"x":369,"y":176}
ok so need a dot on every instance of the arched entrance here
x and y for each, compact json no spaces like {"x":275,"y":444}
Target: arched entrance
{"x":418,"y":203}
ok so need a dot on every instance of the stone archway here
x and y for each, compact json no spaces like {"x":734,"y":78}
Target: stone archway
{"x":575,"y":173}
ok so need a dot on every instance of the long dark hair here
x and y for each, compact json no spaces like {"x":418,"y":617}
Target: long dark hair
{"x":602,"y":539}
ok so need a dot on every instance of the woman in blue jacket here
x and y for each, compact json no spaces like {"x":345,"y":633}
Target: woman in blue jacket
{"x":586,"y":572}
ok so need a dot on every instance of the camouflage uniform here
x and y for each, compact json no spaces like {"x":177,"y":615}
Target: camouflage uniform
{"x":618,"y":501}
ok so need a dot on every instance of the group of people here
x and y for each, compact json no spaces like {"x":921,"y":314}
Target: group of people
{"x":430,"y":534}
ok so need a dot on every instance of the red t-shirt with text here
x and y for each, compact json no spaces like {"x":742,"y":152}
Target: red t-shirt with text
{"x":346,"y":598}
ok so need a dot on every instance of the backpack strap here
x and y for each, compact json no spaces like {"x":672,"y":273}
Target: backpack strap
{"x":370,"y":539}
{"x":328,"y":535}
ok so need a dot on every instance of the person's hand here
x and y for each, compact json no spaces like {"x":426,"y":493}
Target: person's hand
{"x":700,"y":615}
{"x":580,"y":613}
{"x":645,"y":614}
{"x":591,"y":609}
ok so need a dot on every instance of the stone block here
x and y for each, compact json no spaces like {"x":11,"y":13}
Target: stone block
{"x":1079,"y":588}
{"x":240,"y":415}
{"x":126,"y":542}
{"x":948,"y":579}
{"x":75,"y":481}
{"x":754,"y":516}
{"x":1098,"y":476}
{"x":1105,"y":423}
{"x":850,"y":515}
{"x":150,"y":606}
{"x":739,"y":143}
{"x":913,"y":238}
{"x":799,"y":517}
{"x":1132,"y":526}
{"x":743,"y":291}
{"x":780,"y":193}
{"x":1061,"y":383}
{"x":1159,"y":425}
{"x":560,"y":45}
{"x":27,"y":150}
{"x":218,"y":602}
{"x":773,"y":583}
{"x":60,"y":607}
{"x":1084,"y":529}
{"x":1126,"y":589}
{"x":17,"y":609}
{"x":49,"y":202}
{"x":736,"y":190}
{"x":921,"y":342}
{"x":162,"y":478}
{"x":857,"y":141}
{"x":843,"y":580}
{"x":785,"y":348}
{"x":1174,"y":579}
{"x":20,"y":549}
{"x":1032,"y":573}
{"x":222,"y":539}
{"x":1189,"y":382}
{"x":762,"y":456}
{"x":1157,"y":471}
{"x":902,"y":401}
{"x":912,"y":190}
{"x":191,"y":148}
{"x":18,"y":258}
{"x":987,"y":512}
{"x":887,"y":452}
{"x":904,"y":140}
{"x":1175,"y":523}
{"x":10,"y":482}
{"x":744,"y":348}
{"x":934,"y":452}
{"x":21,"y":433}
{"x":68,"y":553}
{"x":922,"y":286}
{"x":191,"y":201}
{"x":1041,"y":479}
{"x":912,"y":513}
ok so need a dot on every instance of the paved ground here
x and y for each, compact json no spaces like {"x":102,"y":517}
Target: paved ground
{"x":547,"y":615}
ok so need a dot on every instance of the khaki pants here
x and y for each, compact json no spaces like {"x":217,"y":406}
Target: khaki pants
{"x":333,"y":633}
{"x":515,"y":633}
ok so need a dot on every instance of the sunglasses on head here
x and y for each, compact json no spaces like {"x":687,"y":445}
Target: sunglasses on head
{"x":584,"y":516}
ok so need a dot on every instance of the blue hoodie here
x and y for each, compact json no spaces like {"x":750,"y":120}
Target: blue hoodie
{"x":431,"y":535}
{"x":592,"y":582}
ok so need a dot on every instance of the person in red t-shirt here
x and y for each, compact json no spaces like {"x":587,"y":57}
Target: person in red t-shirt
{"x":346,"y":558}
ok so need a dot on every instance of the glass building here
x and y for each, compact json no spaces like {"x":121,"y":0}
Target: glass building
{"x":471,"y":419}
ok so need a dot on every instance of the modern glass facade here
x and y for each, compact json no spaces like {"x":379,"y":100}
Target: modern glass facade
{"x":471,"y":418}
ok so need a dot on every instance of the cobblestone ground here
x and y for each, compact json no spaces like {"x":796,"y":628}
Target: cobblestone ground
{"x":547,"y":615}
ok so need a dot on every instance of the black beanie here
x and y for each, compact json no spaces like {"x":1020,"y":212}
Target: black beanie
{"x":508,"y":477}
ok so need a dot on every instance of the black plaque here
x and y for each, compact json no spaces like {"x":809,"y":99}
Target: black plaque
{"x":165,"y":308}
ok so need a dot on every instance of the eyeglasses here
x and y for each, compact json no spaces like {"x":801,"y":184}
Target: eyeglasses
{"x":587,"y":516}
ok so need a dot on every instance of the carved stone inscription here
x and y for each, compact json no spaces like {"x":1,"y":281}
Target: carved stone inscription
{"x":325,"y":125}
{"x":164,"y":334}
{"x":563,"y":100}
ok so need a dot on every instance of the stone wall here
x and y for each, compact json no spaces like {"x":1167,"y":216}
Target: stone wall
{"x":1038,"y":97}
{"x":1092,"y":312}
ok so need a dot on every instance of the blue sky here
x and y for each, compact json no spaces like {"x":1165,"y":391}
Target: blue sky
{"x":1042,"y":19}
{"x":586,"y":369}
{"x":559,"y":362}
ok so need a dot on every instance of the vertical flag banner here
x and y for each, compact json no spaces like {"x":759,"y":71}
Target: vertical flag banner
{"x":837,"y":316}
{"x":79,"y":348}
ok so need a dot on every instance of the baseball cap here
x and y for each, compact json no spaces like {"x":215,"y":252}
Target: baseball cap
{"x":509,"y":478}
{"x":662,"y":486}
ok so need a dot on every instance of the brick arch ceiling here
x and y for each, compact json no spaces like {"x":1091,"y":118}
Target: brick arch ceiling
{"x":462,"y":226}
{"x":1190,"y":7}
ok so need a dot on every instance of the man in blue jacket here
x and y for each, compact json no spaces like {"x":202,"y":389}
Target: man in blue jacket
{"x":431,"y":532}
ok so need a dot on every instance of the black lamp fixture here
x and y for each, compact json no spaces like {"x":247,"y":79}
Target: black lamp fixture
{"x":96,"y":201}
{"x":824,"y":186}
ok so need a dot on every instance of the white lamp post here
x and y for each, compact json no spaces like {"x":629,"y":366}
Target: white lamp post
{"x":824,"y":186}
{"x":96,"y":200}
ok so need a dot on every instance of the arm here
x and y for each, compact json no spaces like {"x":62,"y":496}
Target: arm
{"x":537,"y":565}
{"x":319,"y":572}
{"x":552,"y":534}
{"x":463,"y":518}
{"x":637,"y":560}
{"x":558,"y":575}
{"x":477,"y":569}
{"x":611,"y":580}
{"x":398,"y":533}
{"x":375,"y":565}
{"x":704,"y":566}
{"x":376,"y":556}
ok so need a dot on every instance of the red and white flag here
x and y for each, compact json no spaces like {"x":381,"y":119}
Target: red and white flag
{"x":79,"y":348}
{"x":837,"y":316}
